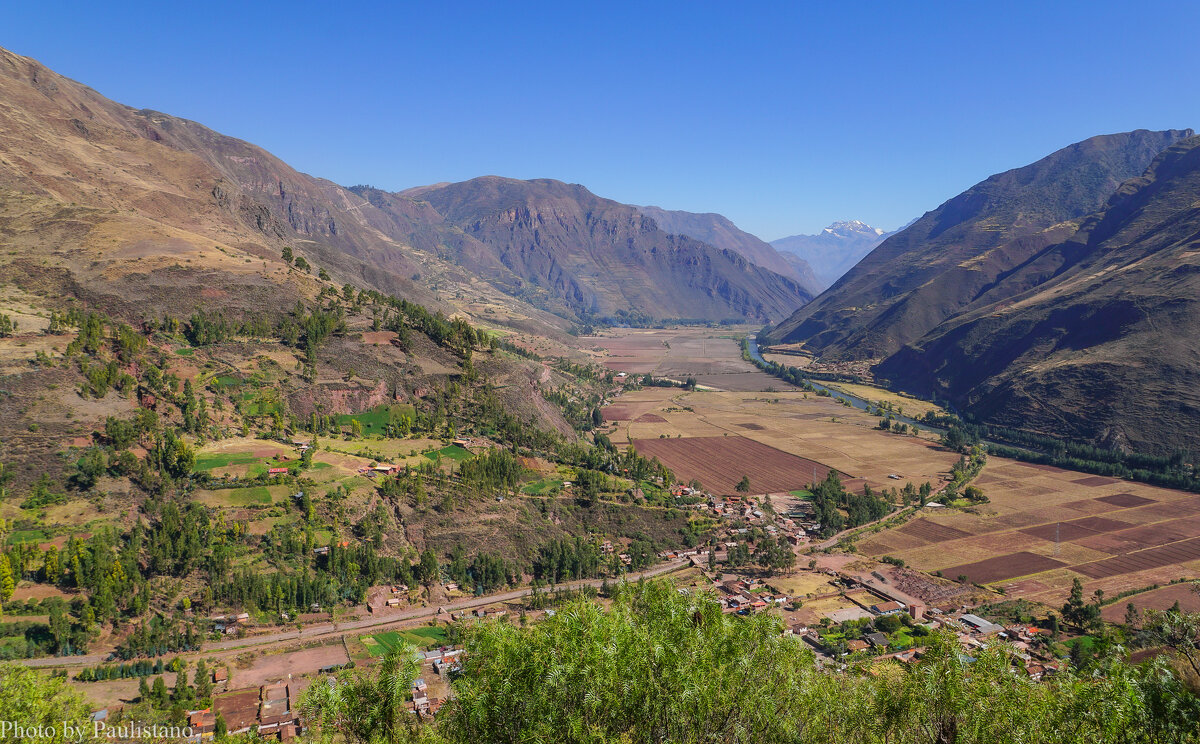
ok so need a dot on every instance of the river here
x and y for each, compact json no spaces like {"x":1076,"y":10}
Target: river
{"x":852,"y":400}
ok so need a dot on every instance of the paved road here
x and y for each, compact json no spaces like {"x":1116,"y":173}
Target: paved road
{"x":325,"y":630}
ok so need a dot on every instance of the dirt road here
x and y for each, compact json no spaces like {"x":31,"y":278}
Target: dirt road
{"x":325,"y":630}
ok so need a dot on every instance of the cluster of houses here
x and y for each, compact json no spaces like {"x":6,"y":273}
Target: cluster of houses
{"x":607,"y":548}
{"x":271,"y":710}
{"x":745,"y":596}
{"x":798,"y":525}
{"x":229,"y":624}
{"x":445,"y":662}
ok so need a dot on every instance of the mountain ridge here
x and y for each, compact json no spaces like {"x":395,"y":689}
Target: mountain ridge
{"x":924,"y":274}
{"x":160,"y":175}
{"x":719,"y":231}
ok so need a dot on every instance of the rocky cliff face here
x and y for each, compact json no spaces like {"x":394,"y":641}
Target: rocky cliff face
{"x":562,"y":247}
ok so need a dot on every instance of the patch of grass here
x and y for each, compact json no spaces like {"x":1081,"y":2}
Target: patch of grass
{"x":425,"y":637}
{"x":453,"y":452}
{"x":214,"y":460}
{"x":1087,"y":642}
{"x":253,"y":496}
{"x":541,"y":487}
{"x":185,"y":352}
{"x":373,"y":421}
{"x":224,"y":382}
{"x":23,"y":536}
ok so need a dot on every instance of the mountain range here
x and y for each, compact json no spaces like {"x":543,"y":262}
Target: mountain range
{"x":141,"y":210}
{"x":1059,"y":297}
{"x":833,"y":251}
{"x":718,"y":231}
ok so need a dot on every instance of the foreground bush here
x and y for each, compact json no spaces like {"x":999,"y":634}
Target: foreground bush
{"x":661,"y":666}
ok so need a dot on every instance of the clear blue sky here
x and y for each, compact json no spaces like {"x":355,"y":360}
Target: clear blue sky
{"x":782,"y":116}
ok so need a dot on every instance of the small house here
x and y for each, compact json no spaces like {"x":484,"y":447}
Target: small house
{"x":887,"y":608}
{"x":877,"y":639}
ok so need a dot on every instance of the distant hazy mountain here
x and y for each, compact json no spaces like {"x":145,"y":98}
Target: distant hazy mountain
{"x":833,"y":251}
{"x":719,"y":231}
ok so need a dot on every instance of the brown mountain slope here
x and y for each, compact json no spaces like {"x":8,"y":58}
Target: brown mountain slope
{"x":940,"y":264}
{"x":718,"y":231}
{"x":562,"y":247}
{"x":67,"y":144}
{"x":168,"y":192}
{"x":1095,"y":337}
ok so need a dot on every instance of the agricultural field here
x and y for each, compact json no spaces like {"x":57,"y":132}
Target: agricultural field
{"x":1045,"y":527}
{"x":712,"y":356}
{"x":905,"y":405}
{"x":251,"y":496}
{"x":452,"y":452}
{"x":777,"y":439}
{"x":1163,"y":598}
{"x":375,"y":420}
{"x":803,"y":584}
{"x":720,"y":462}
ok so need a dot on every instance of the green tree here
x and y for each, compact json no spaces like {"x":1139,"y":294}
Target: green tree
{"x":429,"y":568}
{"x":34,"y":700}
{"x":366,"y":706}
{"x":182,"y":691}
{"x":8,"y":583}
{"x":203,"y":681}
{"x":158,"y":692}
{"x":90,"y":467}
{"x":743,"y":486}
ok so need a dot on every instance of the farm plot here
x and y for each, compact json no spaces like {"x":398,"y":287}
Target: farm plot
{"x":1057,"y":525}
{"x":1003,"y":567}
{"x":713,"y":358}
{"x":720,"y":462}
{"x":1187,"y":595}
{"x":813,"y":428}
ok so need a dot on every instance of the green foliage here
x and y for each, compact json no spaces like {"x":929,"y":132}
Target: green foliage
{"x":831,"y":499}
{"x":7,"y":326}
{"x":366,"y":706}
{"x":494,"y":470}
{"x":566,"y":559}
{"x":662,"y":666}
{"x":32,"y":699}
{"x":90,"y":467}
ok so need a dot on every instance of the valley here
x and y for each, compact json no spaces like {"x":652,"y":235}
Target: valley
{"x":504,"y":459}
